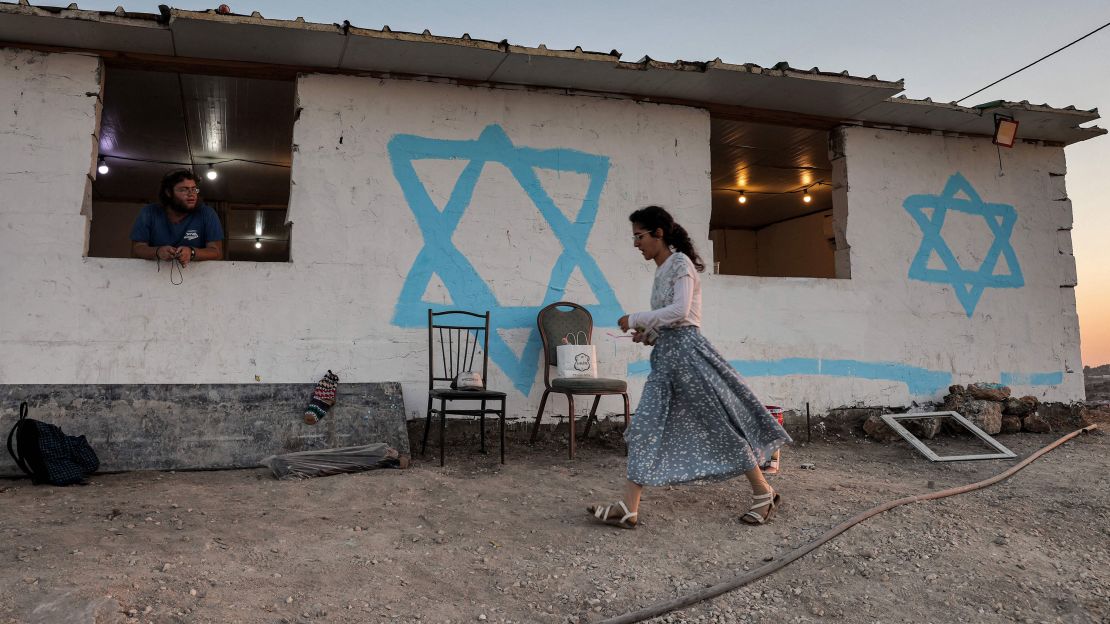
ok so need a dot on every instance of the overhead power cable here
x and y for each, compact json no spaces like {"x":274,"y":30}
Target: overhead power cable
{"x":1033,"y":63}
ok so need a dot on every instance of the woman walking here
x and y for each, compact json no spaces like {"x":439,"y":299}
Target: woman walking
{"x":697,"y":420}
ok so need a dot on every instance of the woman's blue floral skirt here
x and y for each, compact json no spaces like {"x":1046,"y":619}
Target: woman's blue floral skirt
{"x":697,"y":420}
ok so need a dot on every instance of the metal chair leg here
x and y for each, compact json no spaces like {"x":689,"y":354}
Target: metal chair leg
{"x":482,"y":429}
{"x":592,"y":417}
{"x":502,"y":431}
{"x":570,"y":404}
{"x":427,"y":427}
{"x":442,"y":430}
{"x":627,"y":412}
{"x":539,"y":415}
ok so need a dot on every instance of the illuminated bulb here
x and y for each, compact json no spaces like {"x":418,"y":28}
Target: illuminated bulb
{"x":211,"y":174}
{"x":805,"y":196}
{"x":743,"y":198}
{"x":258,"y":243}
{"x":102,"y":167}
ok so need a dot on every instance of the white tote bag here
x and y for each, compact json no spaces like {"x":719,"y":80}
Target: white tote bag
{"x":576,"y":357}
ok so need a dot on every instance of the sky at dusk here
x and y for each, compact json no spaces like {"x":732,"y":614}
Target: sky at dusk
{"x":943,"y":49}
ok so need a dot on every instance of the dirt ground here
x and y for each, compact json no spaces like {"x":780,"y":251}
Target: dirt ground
{"x":476,"y":541}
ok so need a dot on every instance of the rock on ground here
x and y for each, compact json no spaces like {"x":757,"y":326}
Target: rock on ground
{"x":987,"y":415}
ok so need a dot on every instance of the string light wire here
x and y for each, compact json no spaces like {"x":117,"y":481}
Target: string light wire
{"x":189,"y":164}
{"x":802,"y":189}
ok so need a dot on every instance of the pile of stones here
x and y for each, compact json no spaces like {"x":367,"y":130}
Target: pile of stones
{"x":993,"y":410}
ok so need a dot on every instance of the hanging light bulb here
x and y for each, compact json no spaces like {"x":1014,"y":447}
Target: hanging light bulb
{"x":258,"y":243}
{"x":211,"y":174}
{"x":806,"y":197}
{"x":102,"y":166}
{"x":743,"y":198}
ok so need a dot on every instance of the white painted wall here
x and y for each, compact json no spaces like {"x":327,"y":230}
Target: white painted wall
{"x":46,"y":141}
{"x":882,"y":318}
{"x":346,"y":193}
{"x":355,"y":240}
{"x":107,"y":320}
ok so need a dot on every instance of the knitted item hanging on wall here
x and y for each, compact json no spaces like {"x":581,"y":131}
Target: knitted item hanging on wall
{"x":323,"y":397}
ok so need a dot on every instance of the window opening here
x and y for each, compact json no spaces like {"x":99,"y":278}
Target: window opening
{"x":775,"y":212}
{"x":235,"y":134}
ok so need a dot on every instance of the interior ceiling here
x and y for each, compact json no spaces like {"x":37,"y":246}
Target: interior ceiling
{"x":189,"y":118}
{"x":769,"y":162}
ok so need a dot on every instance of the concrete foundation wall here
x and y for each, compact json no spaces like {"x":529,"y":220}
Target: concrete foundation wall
{"x":408,"y":194}
{"x":182,"y":426}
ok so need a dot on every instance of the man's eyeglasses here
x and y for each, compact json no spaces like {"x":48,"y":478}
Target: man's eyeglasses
{"x":188,"y":190}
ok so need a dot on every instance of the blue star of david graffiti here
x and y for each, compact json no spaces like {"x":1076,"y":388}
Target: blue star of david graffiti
{"x":968,"y":284}
{"x":465,"y":285}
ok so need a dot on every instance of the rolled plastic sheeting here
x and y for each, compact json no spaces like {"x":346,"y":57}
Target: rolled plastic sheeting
{"x":324,"y":462}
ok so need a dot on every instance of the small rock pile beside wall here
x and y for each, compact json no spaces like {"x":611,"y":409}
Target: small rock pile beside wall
{"x":992,"y":408}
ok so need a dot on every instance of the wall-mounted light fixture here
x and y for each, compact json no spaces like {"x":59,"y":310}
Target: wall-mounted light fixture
{"x":743,"y":198}
{"x":102,"y":166}
{"x":1005,"y":130}
{"x":806,"y":196}
{"x":211,"y":173}
{"x":258,"y":243}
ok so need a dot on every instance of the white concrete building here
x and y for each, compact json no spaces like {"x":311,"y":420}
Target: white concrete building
{"x":389,"y":172}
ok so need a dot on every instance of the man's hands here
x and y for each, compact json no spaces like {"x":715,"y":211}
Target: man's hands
{"x":167,"y":252}
{"x":184,"y":255}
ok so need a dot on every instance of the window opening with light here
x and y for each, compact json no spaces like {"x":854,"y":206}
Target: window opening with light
{"x":774,"y":210}
{"x":234,"y":133}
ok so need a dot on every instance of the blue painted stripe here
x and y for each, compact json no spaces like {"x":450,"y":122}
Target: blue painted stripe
{"x":920,"y":381}
{"x":1053,"y":378}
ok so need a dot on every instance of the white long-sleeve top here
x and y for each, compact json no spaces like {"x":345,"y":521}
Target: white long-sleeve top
{"x":675,"y":297}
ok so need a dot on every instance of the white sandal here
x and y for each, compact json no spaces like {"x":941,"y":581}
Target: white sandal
{"x":627,"y":521}
{"x":770,"y":500}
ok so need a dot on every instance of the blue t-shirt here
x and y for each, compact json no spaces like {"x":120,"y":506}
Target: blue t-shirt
{"x":197,"y":229}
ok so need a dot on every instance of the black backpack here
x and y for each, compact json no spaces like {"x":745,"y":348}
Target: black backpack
{"x":48,"y":455}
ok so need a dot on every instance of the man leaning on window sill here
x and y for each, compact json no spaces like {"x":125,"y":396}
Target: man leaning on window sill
{"x":178,"y":226}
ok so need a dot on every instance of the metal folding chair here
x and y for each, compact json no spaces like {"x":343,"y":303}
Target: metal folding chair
{"x":455,"y":338}
{"x":559,"y":319}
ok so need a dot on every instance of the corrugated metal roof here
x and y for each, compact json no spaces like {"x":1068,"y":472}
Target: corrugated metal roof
{"x":835,"y":97}
{"x":1041,"y":122}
